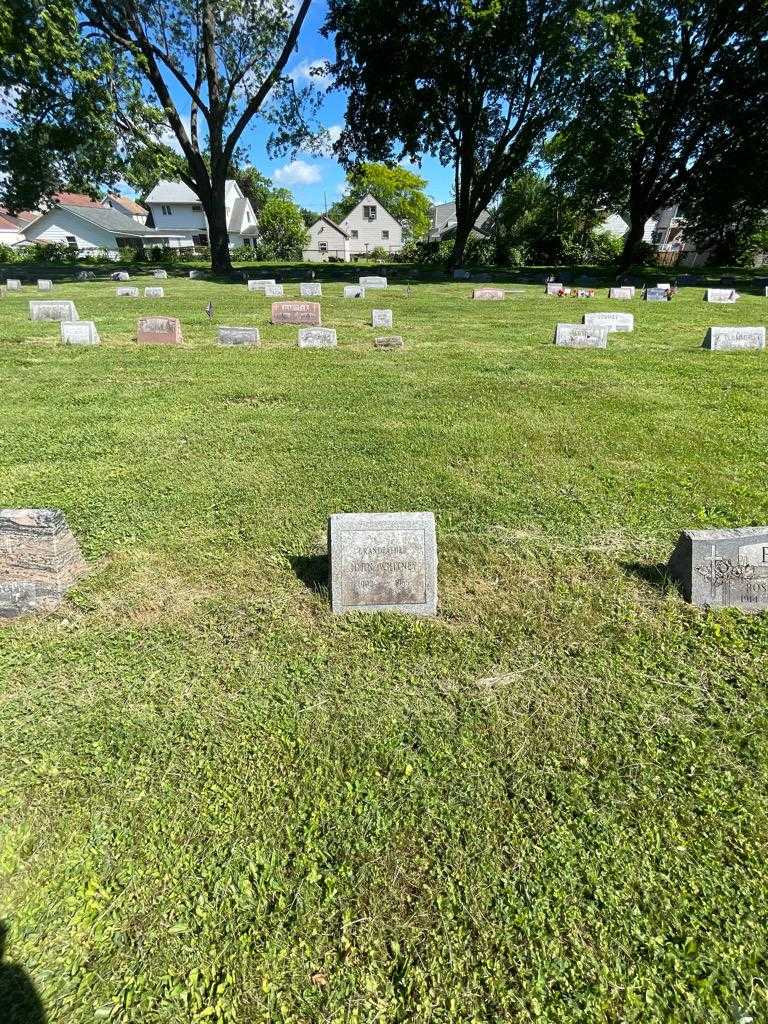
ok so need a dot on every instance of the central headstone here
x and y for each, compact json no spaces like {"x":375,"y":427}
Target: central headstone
{"x":159,"y":330}
{"x":723,"y":568}
{"x":624,"y":293}
{"x":353,"y":291}
{"x":239,"y":336}
{"x":79,"y":332}
{"x":721,"y":295}
{"x":296,"y":313}
{"x":154,"y":293}
{"x":310,"y":289}
{"x":613,"y":322}
{"x":389,"y":341}
{"x":656,"y":295}
{"x":381,"y":318}
{"x":581,"y":336}
{"x":383,"y":562}
{"x":317,"y":337}
{"x":39,"y":560}
{"x":44,"y":285}
{"x":724,"y":338}
{"x":372,"y":282}
{"x":259,"y":284}
{"x":487,"y":294}
{"x":273,"y":291}
{"x":48,"y":310}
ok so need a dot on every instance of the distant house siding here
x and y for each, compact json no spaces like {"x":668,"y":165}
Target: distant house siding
{"x":61,"y":225}
{"x":322,"y":234}
{"x":370,"y":232}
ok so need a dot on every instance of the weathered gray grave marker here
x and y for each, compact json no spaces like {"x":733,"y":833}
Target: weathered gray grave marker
{"x":487,"y":294}
{"x":613,"y":322}
{"x":721,"y":295}
{"x":39,"y":560}
{"x":317,"y":337}
{"x":383,"y":562}
{"x":13,"y":284}
{"x":161,"y":274}
{"x":44,"y":285}
{"x":372,"y":282}
{"x":554,"y":287}
{"x":79,"y":332}
{"x":656,"y":295}
{"x":381,"y":318}
{"x":389,"y":341}
{"x":239,"y":336}
{"x":581,"y":336}
{"x":353,"y":291}
{"x":723,"y":568}
{"x":624,"y":293}
{"x":260,"y":283}
{"x":724,"y":338}
{"x":310,"y":289}
{"x":46,"y":309}
{"x":154,"y":293}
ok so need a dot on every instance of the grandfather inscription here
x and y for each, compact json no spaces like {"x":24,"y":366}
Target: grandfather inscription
{"x":488,"y":294}
{"x":317,"y":337}
{"x":721,"y":295}
{"x":723,"y":568}
{"x":39,"y":560}
{"x":389,"y":341}
{"x":259,"y":284}
{"x":154,"y":293}
{"x":239,"y":336}
{"x":44,"y":285}
{"x":79,"y":332}
{"x":613,"y":322}
{"x":296,"y":313}
{"x":372,"y":282}
{"x":724,"y":338}
{"x":381,"y":318}
{"x":656,"y":295}
{"x":47,"y":310}
{"x":581,"y":336}
{"x":310,"y":289}
{"x":383,"y":562}
{"x":623,"y":293}
{"x":353,"y":291}
{"x":159,"y":330}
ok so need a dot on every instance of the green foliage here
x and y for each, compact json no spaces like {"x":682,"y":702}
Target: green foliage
{"x":221,"y":803}
{"x":400,"y":192}
{"x":310,"y":217}
{"x":245,"y":254}
{"x":49,"y":252}
{"x":282,"y":234}
{"x":7,"y":254}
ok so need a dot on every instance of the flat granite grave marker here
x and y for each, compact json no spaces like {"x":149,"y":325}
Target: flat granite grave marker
{"x":39,"y":560}
{"x":734,"y":338}
{"x":154,"y":293}
{"x":353,"y":291}
{"x":581,"y":336}
{"x":46,"y":309}
{"x":721,"y":295}
{"x":723,"y":568}
{"x":296,"y":313}
{"x":487,"y":294}
{"x":79,"y":332}
{"x":121,"y":275}
{"x":127,"y":293}
{"x":624,"y":293}
{"x":274,"y":291}
{"x":554,"y":287}
{"x":383,"y":561}
{"x":381,"y":318}
{"x":388,"y":341}
{"x":13,"y":284}
{"x":159,"y":330}
{"x":613,"y":322}
{"x":258,"y":284}
{"x":44,"y":285}
{"x":239,"y":336}
{"x":161,"y":274}
{"x":656,"y":295}
{"x":310,"y":289}
{"x":317,"y":337}
{"x":372,"y":282}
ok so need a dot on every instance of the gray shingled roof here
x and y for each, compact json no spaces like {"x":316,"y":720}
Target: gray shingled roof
{"x":109,"y":220}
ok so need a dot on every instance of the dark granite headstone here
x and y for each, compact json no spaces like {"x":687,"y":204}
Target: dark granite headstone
{"x":39,"y":560}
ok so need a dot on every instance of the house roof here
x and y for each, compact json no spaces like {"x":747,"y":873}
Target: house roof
{"x":108,"y":219}
{"x":332,"y":224}
{"x":172,"y":192}
{"x":128,"y":204}
{"x":74,"y":199}
{"x":367,"y":199}
{"x":238,"y":225}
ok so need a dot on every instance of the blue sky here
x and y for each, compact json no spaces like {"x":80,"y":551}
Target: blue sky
{"x":314,"y":180}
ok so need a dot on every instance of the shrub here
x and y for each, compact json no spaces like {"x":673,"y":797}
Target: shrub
{"x":480,"y":250}
{"x":50,"y":252}
{"x":379,"y":254}
{"x":244,"y":254}
{"x":7,"y":254}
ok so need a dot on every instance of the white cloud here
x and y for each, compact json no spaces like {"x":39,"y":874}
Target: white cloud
{"x":298,"y":172}
{"x":302,"y":74}
{"x":342,"y":188}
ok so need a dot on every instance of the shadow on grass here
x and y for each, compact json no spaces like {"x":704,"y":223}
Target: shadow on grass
{"x":312,"y":570}
{"x":19,"y":1001}
{"x":658,"y":575}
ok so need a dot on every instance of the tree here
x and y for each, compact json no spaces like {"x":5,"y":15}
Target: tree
{"x":310,"y":217}
{"x":399,"y":190}
{"x":226,"y":58}
{"x":655,"y":80}
{"x":282,"y":233}
{"x":476,"y":84}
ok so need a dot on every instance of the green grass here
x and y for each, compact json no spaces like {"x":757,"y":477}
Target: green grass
{"x":219,"y":802}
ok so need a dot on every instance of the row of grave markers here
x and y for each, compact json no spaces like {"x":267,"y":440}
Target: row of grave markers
{"x":624,"y":293}
{"x":378,"y":562}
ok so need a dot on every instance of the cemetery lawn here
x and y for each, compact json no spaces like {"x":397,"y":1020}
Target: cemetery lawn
{"x":221,"y":803}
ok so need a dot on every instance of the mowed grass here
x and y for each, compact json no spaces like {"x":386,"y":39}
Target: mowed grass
{"x":221,"y":803}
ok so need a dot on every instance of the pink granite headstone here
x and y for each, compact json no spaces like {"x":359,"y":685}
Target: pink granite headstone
{"x":296,"y":313}
{"x":159,"y":330}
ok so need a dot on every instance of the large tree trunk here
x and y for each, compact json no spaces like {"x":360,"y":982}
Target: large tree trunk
{"x":218,"y":235}
{"x":638,"y":215}
{"x":460,"y":239}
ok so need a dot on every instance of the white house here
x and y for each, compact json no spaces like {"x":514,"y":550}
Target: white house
{"x":128,"y":207}
{"x":93,"y":228}
{"x":175,"y":207}
{"x":370,"y":226}
{"x":326,"y":239}
{"x":443,"y":222}
{"x":12,"y":227}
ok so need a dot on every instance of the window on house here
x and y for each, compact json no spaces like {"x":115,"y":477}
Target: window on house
{"x":197,"y":208}
{"x":385,"y":234}
{"x":353,"y":232}
{"x":369,"y":212}
{"x":323,"y":246}
{"x":199,"y":239}
{"x":167,"y":211}
{"x":71,"y":240}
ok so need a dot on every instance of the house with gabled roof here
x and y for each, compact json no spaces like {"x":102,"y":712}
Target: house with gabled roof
{"x":91,"y":227}
{"x":128,"y":207}
{"x":371,"y":226}
{"x":327,"y":240}
{"x":174,"y":207}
